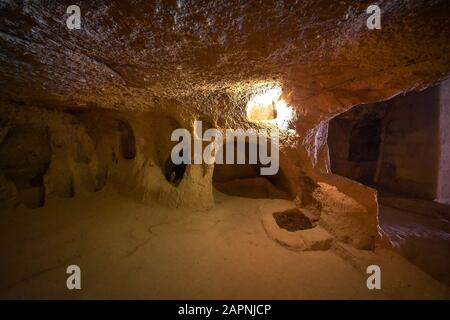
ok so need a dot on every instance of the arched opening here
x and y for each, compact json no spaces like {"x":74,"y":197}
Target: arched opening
{"x":267,"y":106}
{"x":246,"y":180}
{"x":127,"y":140}
{"x":174,"y":173}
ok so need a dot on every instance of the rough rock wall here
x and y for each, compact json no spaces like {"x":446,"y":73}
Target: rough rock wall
{"x":69,"y":163}
{"x":410,"y":150}
{"x":443,"y":192}
{"x":65,"y":153}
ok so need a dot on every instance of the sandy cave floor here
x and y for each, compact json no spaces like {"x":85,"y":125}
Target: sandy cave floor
{"x":129,"y":250}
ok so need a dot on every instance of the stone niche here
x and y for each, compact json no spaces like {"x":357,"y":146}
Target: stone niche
{"x":46,"y":153}
{"x":245,"y":179}
{"x":25,"y":156}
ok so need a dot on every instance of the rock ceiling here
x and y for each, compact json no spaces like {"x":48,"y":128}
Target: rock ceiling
{"x":135,"y":55}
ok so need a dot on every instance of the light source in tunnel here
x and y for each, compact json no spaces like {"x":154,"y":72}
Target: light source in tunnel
{"x":284,"y":114}
{"x":266,"y":106}
{"x":262,"y":106}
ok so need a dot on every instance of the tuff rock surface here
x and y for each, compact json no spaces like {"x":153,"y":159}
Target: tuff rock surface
{"x":138,"y":69}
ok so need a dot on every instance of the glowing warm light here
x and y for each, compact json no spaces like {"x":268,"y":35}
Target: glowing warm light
{"x":266,"y":97}
{"x":262,"y":106}
{"x":284,"y":114}
{"x":266,"y":106}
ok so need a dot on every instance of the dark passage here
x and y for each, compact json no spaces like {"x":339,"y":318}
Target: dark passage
{"x":174,"y":172}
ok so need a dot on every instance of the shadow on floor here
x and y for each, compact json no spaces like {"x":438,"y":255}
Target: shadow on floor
{"x":420,"y":231}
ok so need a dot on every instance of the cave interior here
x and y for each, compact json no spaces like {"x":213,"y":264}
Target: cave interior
{"x":361,"y":118}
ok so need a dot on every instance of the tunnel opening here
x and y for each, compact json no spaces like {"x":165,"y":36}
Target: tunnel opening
{"x":354,"y":140}
{"x":365,"y":141}
{"x":267,"y":106}
{"x":246,"y":180}
{"x":174,"y":173}
{"x":262,"y":106}
{"x":127,"y":140}
{"x":400,"y":147}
